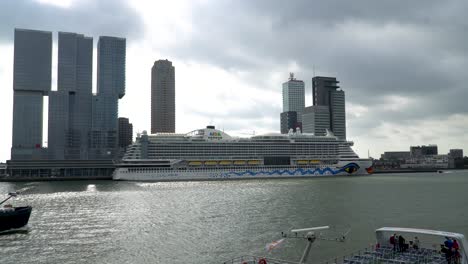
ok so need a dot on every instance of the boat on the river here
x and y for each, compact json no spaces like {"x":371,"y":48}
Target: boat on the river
{"x":13,"y":218}
{"x":212,"y":154}
{"x":420,"y":246}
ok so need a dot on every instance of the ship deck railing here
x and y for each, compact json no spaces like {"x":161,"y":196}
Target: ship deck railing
{"x":387,"y":255}
{"x":256,"y":259}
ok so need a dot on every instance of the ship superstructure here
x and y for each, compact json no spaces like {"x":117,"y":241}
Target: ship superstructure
{"x":210,"y":153}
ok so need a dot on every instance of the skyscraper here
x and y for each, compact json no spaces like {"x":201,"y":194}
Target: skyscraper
{"x":31,"y":81}
{"x":293,"y":104}
{"x":293,"y":96}
{"x":70,"y":116}
{"x":162,"y":97}
{"x":110,"y":88}
{"x":326,"y":92}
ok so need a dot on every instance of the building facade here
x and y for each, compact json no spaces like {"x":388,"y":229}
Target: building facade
{"x":289,"y":121}
{"x":396,"y":155}
{"x":125,"y":132}
{"x":294,"y":96}
{"x":420,"y":151}
{"x":70,"y":110}
{"x":162,"y":97}
{"x":31,"y":82}
{"x":110,"y":88}
{"x":316,"y":120}
{"x":327,"y":92}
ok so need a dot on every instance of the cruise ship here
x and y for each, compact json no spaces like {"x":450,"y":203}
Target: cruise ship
{"x":210,"y":154}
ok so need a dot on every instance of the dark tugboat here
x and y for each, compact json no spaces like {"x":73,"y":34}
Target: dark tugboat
{"x":13,"y":218}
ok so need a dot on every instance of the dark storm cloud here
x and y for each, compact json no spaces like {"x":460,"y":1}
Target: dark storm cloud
{"x":412,"y":49}
{"x":95,"y":18}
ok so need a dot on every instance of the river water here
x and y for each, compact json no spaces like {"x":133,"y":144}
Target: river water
{"x":210,"y":222}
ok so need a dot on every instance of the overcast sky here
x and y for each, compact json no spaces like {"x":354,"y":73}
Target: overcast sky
{"x":402,"y":64}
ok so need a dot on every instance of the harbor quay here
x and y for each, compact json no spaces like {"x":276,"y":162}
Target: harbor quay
{"x":40,"y":170}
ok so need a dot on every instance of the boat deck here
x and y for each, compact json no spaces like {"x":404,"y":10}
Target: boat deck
{"x":387,"y":255}
{"x":383,"y":255}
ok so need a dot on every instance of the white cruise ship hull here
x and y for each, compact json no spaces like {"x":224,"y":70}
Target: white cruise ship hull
{"x":343,"y":168}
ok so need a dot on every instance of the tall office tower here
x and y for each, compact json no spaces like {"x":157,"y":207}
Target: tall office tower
{"x":110,"y":88}
{"x":162,"y":97}
{"x":316,"y":120}
{"x":326,"y":92}
{"x":70,"y":116}
{"x":31,"y":81}
{"x":293,"y":96}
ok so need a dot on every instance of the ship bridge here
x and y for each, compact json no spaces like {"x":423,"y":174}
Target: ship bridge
{"x":208,"y":133}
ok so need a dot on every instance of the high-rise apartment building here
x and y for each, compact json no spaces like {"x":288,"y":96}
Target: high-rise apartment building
{"x":70,"y":116}
{"x":31,"y":81}
{"x":110,"y":88}
{"x":294,"y":96}
{"x":162,"y":97}
{"x":316,"y":120}
{"x":327,"y":92}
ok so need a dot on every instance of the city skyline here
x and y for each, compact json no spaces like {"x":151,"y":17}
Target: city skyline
{"x":393,"y":66}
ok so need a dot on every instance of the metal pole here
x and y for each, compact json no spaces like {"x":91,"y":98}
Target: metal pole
{"x":305,"y":255}
{"x":6,"y":199}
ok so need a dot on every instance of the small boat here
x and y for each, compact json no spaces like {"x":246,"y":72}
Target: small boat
{"x":12,"y":218}
{"x":427,"y":247}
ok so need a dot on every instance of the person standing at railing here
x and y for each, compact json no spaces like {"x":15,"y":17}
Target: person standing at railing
{"x":401,"y":243}
{"x":456,"y":252}
{"x":393,"y":241}
{"x":416,"y":243}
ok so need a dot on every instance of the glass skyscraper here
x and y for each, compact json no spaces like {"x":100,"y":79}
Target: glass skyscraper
{"x":293,"y":104}
{"x":70,"y":116}
{"x":110,"y":88}
{"x":294,"y":96}
{"x":31,"y":82}
{"x":327,"y":92}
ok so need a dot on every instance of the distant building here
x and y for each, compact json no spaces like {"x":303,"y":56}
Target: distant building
{"x":31,"y":82}
{"x":162,"y":97}
{"x":427,"y":162}
{"x":326,"y":92}
{"x":110,"y":88}
{"x":289,"y":121}
{"x":396,"y":155}
{"x":455,"y":158}
{"x":70,"y":116}
{"x":456,"y":153}
{"x":316,"y":120}
{"x":3,"y":169}
{"x":125,"y":132}
{"x":294,"y":96}
{"x":418,"y":151}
